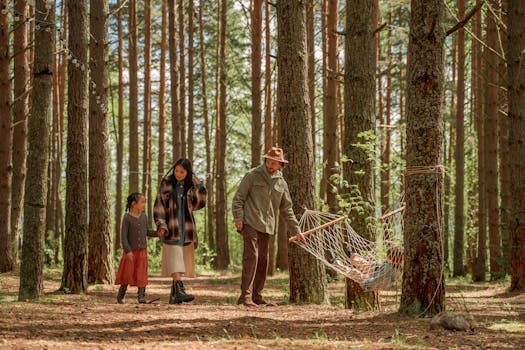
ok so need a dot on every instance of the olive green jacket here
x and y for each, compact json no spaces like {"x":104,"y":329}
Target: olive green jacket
{"x":260,"y":198}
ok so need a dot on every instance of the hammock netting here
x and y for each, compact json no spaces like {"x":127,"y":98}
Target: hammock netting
{"x":374,"y":265}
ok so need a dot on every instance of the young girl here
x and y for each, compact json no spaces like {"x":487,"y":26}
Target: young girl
{"x":179,"y":195}
{"x":133,"y":268}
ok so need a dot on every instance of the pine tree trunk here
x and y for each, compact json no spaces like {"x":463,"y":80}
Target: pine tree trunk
{"x":331,"y":117}
{"x":423,"y":280}
{"x":20,"y":116}
{"x":459,"y":224}
{"x":133,"y":100}
{"x":35,"y":198}
{"x":100,"y":264}
{"x":162,"y":92}
{"x":182,"y":81}
{"x":191,"y":80}
{"x":360,"y":90}
{"x":6,"y":144}
{"x":207,"y":127}
{"x":310,"y":45}
{"x":74,"y":278}
{"x":478,"y":270}
{"x":491,"y":145}
{"x":120,"y":142}
{"x":223,"y":251}
{"x":147,"y":129}
{"x":256,"y":32}
{"x":516,"y":98}
{"x":268,"y":80}
{"x":174,"y":81}
{"x":385,"y":154}
{"x":307,"y":274}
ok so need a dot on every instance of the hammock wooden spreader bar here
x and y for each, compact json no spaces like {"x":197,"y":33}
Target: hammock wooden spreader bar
{"x":315,"y":229}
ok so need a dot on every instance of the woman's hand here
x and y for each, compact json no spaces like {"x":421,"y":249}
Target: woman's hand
{"x":161,"y":232}
{"x":238,"y":226}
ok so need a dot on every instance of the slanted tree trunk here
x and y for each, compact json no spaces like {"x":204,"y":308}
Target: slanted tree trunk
{"x":256,"y":32}
{"x":100,"y":264}
{"x":516,"y":98}
{"x":35,"y":197}
{"x":459,"y":214}
{"x":133,"y":99}
{"x":307,"y":274}
{"x":6,"y":147}
{"x":423,"y":287}
{"x":74,"y":277}
{"x":360,"y":90}
{"x":221,"y":226}
{"x":20,"y":116}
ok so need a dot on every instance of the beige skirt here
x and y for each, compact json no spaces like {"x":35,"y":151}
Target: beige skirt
{"x":172,"y":259}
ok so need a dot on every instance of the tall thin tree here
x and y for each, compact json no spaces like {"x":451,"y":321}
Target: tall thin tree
{"x":423,"y":287}
{"x":100,"y":264}
{"x":307,"y":275}
{"x":120,"y":139}
{"x":191,"y":80}
{"x":74,"y":277}
{"x":20,"y":115}
{"x":162,"y":91}
{"x":182,"y":79}
{"x":256,"y":57}
{"x":174,"y":80}
{"x":35,"y":197}
{"x":6,"y":141}
{"x":133,"y":99}
{"x":147,"y":128}
{"x":516,"y":96}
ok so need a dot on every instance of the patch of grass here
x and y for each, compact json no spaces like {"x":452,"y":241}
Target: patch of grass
{"x":398,"y":338}
{"x":512,"y":326}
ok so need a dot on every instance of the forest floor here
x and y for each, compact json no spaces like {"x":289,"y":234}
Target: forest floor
{"x":213,"y":321}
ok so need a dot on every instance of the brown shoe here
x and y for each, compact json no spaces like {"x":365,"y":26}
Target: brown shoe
{"x":245,"y":302}
{"x":263,"y":302}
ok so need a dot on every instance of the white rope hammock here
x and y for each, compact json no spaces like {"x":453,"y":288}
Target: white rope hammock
{"x":373,"y":265}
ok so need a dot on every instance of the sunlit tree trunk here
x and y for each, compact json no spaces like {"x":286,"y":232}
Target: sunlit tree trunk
{"x":35,"y":194}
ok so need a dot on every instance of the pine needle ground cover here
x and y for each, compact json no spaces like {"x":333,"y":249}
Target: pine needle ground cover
{"x":213,"y":321}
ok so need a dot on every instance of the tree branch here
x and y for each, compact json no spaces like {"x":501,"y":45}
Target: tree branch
{"x":465,"y":20}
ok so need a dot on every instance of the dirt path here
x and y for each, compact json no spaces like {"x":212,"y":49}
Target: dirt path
{"x":213,"y":321}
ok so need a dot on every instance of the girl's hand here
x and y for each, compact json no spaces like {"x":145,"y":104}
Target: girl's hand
{"x":129,"y":256}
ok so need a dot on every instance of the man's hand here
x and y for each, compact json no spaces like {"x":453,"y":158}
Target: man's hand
{"x":300,"y":237}
{"x":239,"y":225}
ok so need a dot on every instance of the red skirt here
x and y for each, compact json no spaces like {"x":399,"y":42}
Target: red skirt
{"x":133,"y":272}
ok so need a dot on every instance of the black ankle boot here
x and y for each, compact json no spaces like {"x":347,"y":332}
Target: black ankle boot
{"x":141,"y":295}
{"x":122,"y":293}
{"x":174,"y":299}
{"x":181,"y":291}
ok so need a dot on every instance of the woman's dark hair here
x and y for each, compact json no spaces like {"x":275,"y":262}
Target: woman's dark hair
{"x":188,"y":181}
{"x":134,"y":197}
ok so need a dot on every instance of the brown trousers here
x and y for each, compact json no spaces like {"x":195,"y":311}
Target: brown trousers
{"x":254,"y":264}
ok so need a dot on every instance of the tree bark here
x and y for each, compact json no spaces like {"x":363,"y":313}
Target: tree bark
{"x":307,"y":274}
{"x":174,"y":82}
{"x":133,"y":100}
{"x":20,"y":116}
{"x":147,"y":129}
{"x":423,"y":288}
{"x":256,"y":32}
{"x":516,"y":98}
{"x":6,"y":144}
{"x":100,"y":264}
{"x":182,"y":80}
{"x":221,"y":226}
{"x":120,"y":141}
{"x":191,"y":80}
{"x":162,"y":92}
{"x":35,"y":197}
{"x":360,"y":91}
{"x":74,"y":278}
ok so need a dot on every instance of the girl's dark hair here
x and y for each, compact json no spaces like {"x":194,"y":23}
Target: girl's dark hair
{"x":188,"y":181}
{"x":134,"y":197}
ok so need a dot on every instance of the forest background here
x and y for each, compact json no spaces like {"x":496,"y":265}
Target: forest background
{"x":98,"y":103}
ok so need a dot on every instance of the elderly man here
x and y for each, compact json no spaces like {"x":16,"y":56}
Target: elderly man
{"x":262,"y":196}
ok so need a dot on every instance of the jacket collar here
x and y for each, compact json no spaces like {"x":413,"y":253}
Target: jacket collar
{"x":262,"y":168}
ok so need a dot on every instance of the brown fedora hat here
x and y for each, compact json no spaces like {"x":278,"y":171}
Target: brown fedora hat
{"x":276,"y":153}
